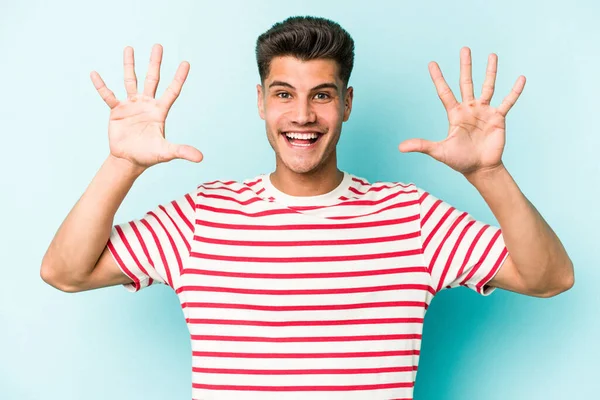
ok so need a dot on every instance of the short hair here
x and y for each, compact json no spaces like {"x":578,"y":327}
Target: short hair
{"x":306,"y":38}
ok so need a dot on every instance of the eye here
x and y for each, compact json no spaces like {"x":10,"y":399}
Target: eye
{"x":283,"y":95}
{"x":322,"y":96}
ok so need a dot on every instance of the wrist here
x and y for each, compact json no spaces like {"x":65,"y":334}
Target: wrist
{"x":487,"y":175}
{"x":124,"y":167}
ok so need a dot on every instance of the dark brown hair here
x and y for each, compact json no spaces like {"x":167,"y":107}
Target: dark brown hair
{"x":306,"y":38}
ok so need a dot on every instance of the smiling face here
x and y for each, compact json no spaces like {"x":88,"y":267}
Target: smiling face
{"x":304,"y":104}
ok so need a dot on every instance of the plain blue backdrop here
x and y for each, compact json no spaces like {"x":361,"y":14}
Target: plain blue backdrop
{"x":109,"y":344}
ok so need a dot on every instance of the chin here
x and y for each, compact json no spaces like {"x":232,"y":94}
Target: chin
{"x":301,"y":165}
{"x":298,"y":168}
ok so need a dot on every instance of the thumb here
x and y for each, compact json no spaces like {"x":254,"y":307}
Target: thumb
{"x":418,"y":145}
{"x":185,"y":152}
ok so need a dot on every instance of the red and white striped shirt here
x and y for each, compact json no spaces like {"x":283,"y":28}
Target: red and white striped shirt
{"x":306,"y":297}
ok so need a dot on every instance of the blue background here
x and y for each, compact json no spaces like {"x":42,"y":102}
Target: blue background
{"x":109,"y":344}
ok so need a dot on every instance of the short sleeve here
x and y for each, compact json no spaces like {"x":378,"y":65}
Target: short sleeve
{"x":458,"y":250}
{"x":153,"y":249}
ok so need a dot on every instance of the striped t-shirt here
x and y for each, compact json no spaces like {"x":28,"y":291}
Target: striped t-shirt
{"x":318,"y":297}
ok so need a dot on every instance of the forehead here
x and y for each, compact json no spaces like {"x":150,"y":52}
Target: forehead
{"x":301,"y":74}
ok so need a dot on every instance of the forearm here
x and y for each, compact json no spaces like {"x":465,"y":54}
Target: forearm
{"x":83,"y":235}
{"x":536,"y":251}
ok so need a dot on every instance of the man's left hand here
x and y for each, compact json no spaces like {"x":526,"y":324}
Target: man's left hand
{"x":476,"y":135}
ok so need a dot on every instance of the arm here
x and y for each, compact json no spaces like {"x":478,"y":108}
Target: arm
{"x":537,"y":264}
{"x":77,"y":258}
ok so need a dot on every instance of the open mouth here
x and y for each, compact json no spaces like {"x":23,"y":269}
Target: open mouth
{"x":302,"y":139}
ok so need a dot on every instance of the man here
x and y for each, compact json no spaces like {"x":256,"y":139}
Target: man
{"x":308,"y":282}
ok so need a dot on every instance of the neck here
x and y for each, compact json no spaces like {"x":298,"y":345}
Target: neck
{"x":313,"y":183}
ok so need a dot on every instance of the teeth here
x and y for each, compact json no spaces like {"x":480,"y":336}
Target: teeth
{"x":303,"y":136}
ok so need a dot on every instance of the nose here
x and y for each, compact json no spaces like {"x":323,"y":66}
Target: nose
{"x":304,"y":114}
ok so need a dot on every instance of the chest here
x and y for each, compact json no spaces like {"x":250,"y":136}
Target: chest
{"x":282,"y":272}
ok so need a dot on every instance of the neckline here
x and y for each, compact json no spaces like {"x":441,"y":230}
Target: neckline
{"x":328,"y":198}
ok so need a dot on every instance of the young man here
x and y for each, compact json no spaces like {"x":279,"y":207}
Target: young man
{"x":308,"y":282}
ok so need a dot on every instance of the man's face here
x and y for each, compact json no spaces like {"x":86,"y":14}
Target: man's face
{"x":303,"y":104}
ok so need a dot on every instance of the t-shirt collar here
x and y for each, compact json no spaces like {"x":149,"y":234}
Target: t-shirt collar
{"x":329,"y":198}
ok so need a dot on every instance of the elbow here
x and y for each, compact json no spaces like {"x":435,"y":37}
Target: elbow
{"x":564,"y":283}
{"x":50,"y":276}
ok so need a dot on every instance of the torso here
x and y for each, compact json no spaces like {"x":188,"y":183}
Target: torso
{"x":283,"y":299}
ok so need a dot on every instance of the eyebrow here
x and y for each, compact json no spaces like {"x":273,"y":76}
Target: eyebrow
{"x":328,"y":85}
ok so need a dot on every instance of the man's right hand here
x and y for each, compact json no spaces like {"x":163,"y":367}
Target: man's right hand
{"x":136,"y":130}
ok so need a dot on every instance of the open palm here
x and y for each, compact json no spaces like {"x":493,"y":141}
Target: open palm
{"x":476,"y":133}
{"x":136,"y":130}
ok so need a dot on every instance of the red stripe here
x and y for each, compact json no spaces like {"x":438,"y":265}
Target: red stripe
{"x":353,"y":190}
{"x":134,"y":279}
{"x":260,"y":191}
{"x":363,"y":321}
{"x":441,"y":245}
{"x":367,"y":289}
{"x":356,"y":257}
{"x":315,"y":339}
{"x":238,"y":191}
{"x":190,"y":201}
{"x":264,"y":213}
{"x":492,"y":272}
{"x":431,"y":210}
{"x":393,"y":206}
{"x":356,"y":202}
{"x":233,"y":199}
{"x":319,"y":307}
{"x":132,"y":253}
{"x":391,"y":353}
{"x":317,"y":275}
{"x":351,"y":225}
{"x":337,"y":371}
{"x":379,"y":188}
{"x":453,"y":253}
{"x":142,"y":242}
{"x":253,"y":183}
{"x":311,"y":388}
{"x":482,"y":258}
{"x":471,"y":248}
{"x":221,"y":182}
{"x":173,"y":245}
{"x":364,"y":183}
{"x":437,"y":227}
{"x":187,"y":244}
{"x":183,"y":216}
{"x":423,"y":197}
{"x":293,"y":243}
{"x":292,"y":210}
{"x":160,"y":251}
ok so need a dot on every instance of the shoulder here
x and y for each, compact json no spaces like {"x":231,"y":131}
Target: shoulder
{"x":362,"y":187}
{"x":230,"y":188}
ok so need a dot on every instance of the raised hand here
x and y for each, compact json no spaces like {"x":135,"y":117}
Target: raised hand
{"x":136,"y":129}
{"x":476,"y":135}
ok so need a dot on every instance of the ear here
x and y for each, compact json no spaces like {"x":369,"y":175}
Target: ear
{"x":348,"y":102}
{"x":261,"y":103}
